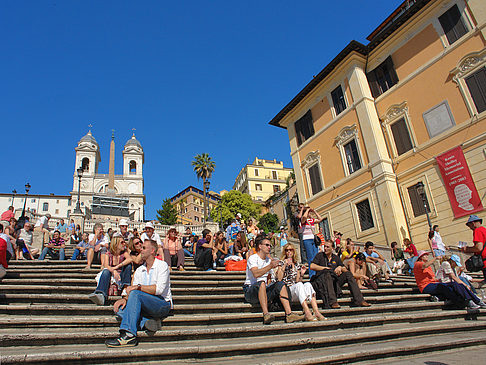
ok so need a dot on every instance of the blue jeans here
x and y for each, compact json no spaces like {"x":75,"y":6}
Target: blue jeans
{"x":439,"y":253}
{"x":55,"y":254}
{"x":468,"y":283}
{"x":311,"y":251}
{"x":140,"y":308}
{"x":76,"y":253}
{"x":187,"y":253}
{"x":105,"y":279}
{"x":453,"y":291}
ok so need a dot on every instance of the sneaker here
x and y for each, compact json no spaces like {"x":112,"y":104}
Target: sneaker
{"x":122,"y":341}
{"x":97,"y":298}
{"x":268,"y":318}
{"x":152,"y":325}
{"x":292,"y":317}
{"x":472,"y":305}
{"x":434,"y":299}
{"x":482,"y":304}
{"x":210,"y":270}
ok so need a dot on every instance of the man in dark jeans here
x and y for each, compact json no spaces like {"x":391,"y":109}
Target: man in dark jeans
{"x":331,"y":276}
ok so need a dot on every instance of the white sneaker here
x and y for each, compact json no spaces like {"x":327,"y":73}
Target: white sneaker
{"x":97,"y":298}
{"x":482,"y":304}
{"x":472,"y":305}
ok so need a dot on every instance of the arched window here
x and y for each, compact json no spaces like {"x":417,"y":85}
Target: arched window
{"x":85,"y":164}
{"x":133,"y":167}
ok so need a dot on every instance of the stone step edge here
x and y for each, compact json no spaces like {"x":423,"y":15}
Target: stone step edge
{"x":416,"y":306}
{"x":8,"y":340}
{"x":263,"y":345}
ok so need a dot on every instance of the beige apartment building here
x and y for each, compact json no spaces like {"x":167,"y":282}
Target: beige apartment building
{"x":262,"y":178}
{"x":376,"y":122}
{"x":189,"y":204}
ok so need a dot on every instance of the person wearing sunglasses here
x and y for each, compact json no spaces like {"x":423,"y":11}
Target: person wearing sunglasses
{"x":291,"y":274}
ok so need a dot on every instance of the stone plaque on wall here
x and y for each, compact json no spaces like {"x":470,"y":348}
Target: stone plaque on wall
{"x":438,"y":119}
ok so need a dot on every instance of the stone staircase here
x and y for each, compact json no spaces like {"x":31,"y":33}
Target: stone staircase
{"x":45,"y":316}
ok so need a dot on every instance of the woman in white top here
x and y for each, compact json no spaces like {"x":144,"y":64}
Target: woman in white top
{"x":291,"y":273}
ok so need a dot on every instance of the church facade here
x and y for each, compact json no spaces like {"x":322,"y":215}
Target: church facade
{"x":124,"y":192}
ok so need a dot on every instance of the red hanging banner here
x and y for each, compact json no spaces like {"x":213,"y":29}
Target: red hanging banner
{"x":458,"y":182}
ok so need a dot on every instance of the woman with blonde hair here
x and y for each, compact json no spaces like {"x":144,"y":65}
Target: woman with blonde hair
{"x":291,"y":273}
{"x":135,"y":251}
{"x":116,"y":269}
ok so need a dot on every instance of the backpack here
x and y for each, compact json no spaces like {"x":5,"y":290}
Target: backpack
{"x":475,"y":262}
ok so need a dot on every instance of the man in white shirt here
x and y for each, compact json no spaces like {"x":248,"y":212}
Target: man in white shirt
{"x":147,"y":300}
{"x":257,"y":287}
{"x":99,"y":242}
{"x":42,"y":225}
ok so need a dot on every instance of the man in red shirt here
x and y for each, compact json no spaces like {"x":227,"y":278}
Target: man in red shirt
{"x":8,"y":214}
{"x":479,"y":240}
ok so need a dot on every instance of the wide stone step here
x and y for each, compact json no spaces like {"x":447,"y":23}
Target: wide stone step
{"x":464,"y":332}
{"x":105,"y":318}
{"x":57,"y":336}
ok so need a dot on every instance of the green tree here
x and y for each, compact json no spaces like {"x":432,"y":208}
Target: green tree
{"x":268,"y":222}
{"x":204,"y":167}
{"x":168,"y":214}
{"x":234,"y":202}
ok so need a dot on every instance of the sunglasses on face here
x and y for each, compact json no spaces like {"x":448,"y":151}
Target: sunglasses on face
{"x":288,"y":250}
{"x":267,"y":244}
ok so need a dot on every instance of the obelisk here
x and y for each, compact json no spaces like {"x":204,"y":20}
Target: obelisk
{"x":111,"y":175}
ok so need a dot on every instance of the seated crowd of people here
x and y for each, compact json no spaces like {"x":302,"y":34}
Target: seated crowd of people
{"x":137,"y":266}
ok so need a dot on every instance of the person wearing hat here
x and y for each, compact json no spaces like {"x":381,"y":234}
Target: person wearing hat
{"x":447,"y":270}
{"x":151,"y":234}
{"x":454,"y":293}
{"x":123,"y":224}
{"x":282,"y":238}
{"x":479,"y":239}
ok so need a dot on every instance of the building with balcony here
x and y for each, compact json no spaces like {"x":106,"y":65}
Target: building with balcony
{"x":189,"y":204}
{"x":374,"y":125}
{"x":262,"y":178}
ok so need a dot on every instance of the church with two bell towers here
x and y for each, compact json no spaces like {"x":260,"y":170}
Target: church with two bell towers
{"x":109,"y":196}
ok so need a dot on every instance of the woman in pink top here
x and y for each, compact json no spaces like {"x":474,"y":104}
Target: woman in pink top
{"x":173,"y":252}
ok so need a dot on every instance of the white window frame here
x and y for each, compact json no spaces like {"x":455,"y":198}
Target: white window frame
{"x":468,"y":65}
{"x":354,"y":211}
{"x":346,"y":135}
{"x":408,"y":204}
{"x":311,"y":159}
{"x":465,"y":17}
{"x":393,"y":115}
{"x":331,"y":102}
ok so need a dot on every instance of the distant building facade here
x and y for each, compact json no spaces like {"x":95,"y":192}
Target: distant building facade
{"x":190,"y":205}
{"x":127,"y":199}
{"x":365,"y":132}
{"x":58,"y":206}
{"x":262,"y":178}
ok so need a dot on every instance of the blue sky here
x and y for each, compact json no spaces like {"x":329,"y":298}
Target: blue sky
{"x":190,"y":76}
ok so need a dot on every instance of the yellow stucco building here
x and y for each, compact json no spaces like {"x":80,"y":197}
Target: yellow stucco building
{"x":366,"y":131}
{"x":262,"y":178}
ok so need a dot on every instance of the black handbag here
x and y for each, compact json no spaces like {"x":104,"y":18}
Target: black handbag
{"x":475,"y":262}
{"x":317,"y":240}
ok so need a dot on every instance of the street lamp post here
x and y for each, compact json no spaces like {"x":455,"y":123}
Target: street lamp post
{"x":421,"y":192}
{"x":206,"y":189}
{"x":77,"y":210}
{"x":13,"y":197}
{"x":27,"y":188}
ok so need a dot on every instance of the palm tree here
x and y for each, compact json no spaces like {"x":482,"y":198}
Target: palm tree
{"x":204,"y":167}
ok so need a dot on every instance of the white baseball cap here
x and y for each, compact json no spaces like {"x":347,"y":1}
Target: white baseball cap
{"x":239,"y":215}
{"x":123,"y":222}
{"x":149,"y":225}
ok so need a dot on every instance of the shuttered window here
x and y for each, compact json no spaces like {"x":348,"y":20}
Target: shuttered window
{"x":315,"y":179}
{"x":326,"y":232}
{"x":476,"y":83}
{"x":352,"y":156}
{"x":382,"y":77}
{"x":304,"y":128}
{"x":338,"y":100}
{"x":452,"y":24}
{"x":401,"y":136}
{"x":417,"y":202}
{"x":364,"y":215}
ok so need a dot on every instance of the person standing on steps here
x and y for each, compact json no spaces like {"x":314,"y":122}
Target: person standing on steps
{"x":146,"y":301}
{"x":257,"y":287}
